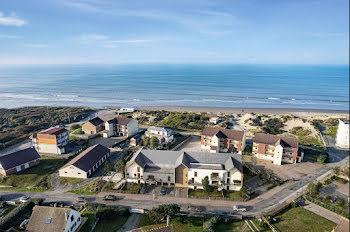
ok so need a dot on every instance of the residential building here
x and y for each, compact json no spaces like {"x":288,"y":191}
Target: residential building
{"x":121,"y":127}
{"x":217,"y":139}
{"x":164,"y":135}
{"x":186,"y":169}
{"x":213,"y":118}
{"x":93,"y":126}
{"x":52,"y":140}
{"x":83,"y":165}
{"x":342,"y":139}
{"x":18,"y":161}
{"x":136,"y":140}
{"x":277,"y":149}
{"x":53,"y":219}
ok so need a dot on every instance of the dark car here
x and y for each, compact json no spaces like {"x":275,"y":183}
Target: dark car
{"x":81,"y":199}
{"x":162,"y":190}
{"x":109,"y":198}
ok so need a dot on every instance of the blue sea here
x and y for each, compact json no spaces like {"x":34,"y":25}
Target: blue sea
{"x":247,"y":86}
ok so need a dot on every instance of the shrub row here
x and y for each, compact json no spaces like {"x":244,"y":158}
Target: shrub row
{"x":336,"y":210}
{"x":209,"y":225}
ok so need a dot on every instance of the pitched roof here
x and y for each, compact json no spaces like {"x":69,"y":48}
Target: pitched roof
{"x":88,"y":158}
{"x":160,"y":129}
{"x":96,"y":121}
{"x":225,"y":133}
{"x":172,"y":159}
{"x":276,"y":140}
{"x":123,"y":121}
{"x":53,"y":131}
{"x":41,"y":214}
{"x":17,"y":158}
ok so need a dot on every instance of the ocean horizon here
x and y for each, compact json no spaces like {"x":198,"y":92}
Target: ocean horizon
{"x":323,"y":87}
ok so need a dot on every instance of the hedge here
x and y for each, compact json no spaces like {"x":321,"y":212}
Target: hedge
{"x":91,"y":206}
{"x":16,"y":213}
{"x":336,"y":210}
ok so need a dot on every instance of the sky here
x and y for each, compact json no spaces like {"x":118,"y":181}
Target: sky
{"x":174,"y":31}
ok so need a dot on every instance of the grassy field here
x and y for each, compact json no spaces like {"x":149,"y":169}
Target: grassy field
{"x":180,"y":224}
{"x":35,"y":177}
{"x":91,"y":188}
{"x":300,"y":219}
{"x":90,"y":222}
{"x":112,"y":225}
{"x":70,"y":181}
{"x":229,"y":226}
{"x":201,"y":193}
{"x":332,"y":131}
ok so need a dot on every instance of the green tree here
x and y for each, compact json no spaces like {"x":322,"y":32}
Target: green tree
{"x":146,"y":141}
{"x":321,"y":159}
{"x":273,"y":126}
{"x":205,"y":183}
{"x":119,"y":165}
{"x":160,"y":213}
{"x":341,"y":203}
{"x":314,"y":189}
{"x":154,"y":142}
{"x":108,"y":168}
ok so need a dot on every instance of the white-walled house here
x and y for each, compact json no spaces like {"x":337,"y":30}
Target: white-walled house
{"x":83,"y":165}
{"x":213,"y":118}
{"x":164,"y":135}
{"x":53,"y":219}
{"x":342,"y":139}
{"x":186,"y":169}
{"x":121,"y":127}
{"x":52,"y":140}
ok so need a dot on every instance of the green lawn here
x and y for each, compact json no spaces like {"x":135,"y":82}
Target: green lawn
{"x":180,"y":224}
{"x":201,"y":193}
{"x":229,"y":226}
{"x":35,"y":177}
{"x":70,"y":181}
{"x":90,"y":222}
{"x":112,"y":225}
{"x":91,"y":188}
{"x":300,"y":219}
{"x":234,"y":194}
{"x":333,"y":131}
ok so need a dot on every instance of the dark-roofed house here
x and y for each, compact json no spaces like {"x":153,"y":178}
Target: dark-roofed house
{"x":53,"y":219}
{"x":52,"y":140}
{"x":278,"y":149}
{"x":217,"y":139}
{"x":121,"y":127}
{"x":83,"y":165}
{"x":18,"y":161}
{"x":186,"y":169}
{"x":93,"y":126}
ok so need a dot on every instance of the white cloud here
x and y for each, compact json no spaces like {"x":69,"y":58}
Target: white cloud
{"x":105,"y":41}
{"x":37,"y":45}
{"x":11,"y":20}
{"x":9,"y":36}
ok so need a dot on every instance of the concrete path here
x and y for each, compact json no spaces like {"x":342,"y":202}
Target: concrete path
{"x":322,"y":212}
{"x":131,"y":223}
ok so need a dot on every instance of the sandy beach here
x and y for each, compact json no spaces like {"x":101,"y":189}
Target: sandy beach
{"x":269,"y":111}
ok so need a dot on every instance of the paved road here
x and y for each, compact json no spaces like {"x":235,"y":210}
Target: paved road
{"x":323,"y":212}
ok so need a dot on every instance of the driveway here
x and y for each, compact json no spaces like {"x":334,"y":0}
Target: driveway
{"x":322,"y":212}
{"x":131,"y":223}
{"x":193,"y":145}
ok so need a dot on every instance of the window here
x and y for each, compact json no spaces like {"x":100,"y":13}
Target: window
{"x":228,"y":173}
{"x":138,"y":169}
{"x":65,"y":172}
{"x":169,"y":178}
{"x":79,"y":173}
{"x":195,"y":174}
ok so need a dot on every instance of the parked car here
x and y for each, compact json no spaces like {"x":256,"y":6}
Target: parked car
{"x":163,"y":190}
{"x":24,"y":199}
{"x":195,"y":209}
{"x":109,"y":198}
{"x":24,"y":224}
{"x":81,"y":199}
{"x":239,"y":208}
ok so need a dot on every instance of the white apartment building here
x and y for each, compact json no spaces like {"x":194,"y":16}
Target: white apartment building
{"x":53,"y":219}
{"x":121,"y":127}
{"x":186,"y":169}
{"x":164,"y":135}
{"x":342,"y":139}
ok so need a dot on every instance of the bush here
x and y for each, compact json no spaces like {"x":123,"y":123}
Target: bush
{"x":299,"y":131}
{"x":75,"y":126}
{"x":158,"y":214}
{"x":273,"y":126}
{"x":321,"y":159}
{"x":15,"y":214}
{"x":106,"y":212}
{"x":209,"y":225}
{"x":91,"y":206}
{"x":122,"y":211}
{"x":339,"y":211}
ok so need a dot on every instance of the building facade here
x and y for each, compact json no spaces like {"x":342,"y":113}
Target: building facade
{"x":164,"y":135}
{"x":52,"y":140}
{"x":213,"y":118}
{"x":216,"y":140}
{"x":186,"y":169}
{"x":342,"y":139}
{"x":93,"y":126}
{"x":87,"y":162}
{"x":277,"y":149}
{"x":121,"y":127}
{"x":53,"y":219}
{"x":18,"y":161}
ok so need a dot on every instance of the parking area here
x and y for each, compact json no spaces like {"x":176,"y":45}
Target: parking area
{"x":286,"y":171}
{"x":194,"y":145}
{"x":170,"y":191}
{"x":257,"y":185}
{"x":336,"y":189}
